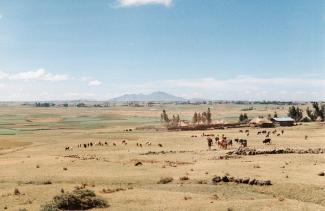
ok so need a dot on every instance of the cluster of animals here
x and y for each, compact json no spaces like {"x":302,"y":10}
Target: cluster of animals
{"x":128,"y":130}
{"x":268,"y":133}
{"x":223,"y":142}
{"x":124,"y":142}
{"x":148,"y":143}
{"x":246,"y":132}
{"x":90,"y":144}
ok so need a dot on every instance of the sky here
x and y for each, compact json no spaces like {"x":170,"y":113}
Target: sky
{"x":214,"y":49}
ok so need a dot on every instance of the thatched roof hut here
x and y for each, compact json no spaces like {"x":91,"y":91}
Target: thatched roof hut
{"x":261,"y":122}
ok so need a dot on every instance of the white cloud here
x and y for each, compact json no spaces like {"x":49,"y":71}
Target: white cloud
{"x":129,"y":3}
{"x":37,"y":75}
{"x":94,"y":83}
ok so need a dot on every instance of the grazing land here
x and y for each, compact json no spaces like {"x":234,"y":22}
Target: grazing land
{"x":44,"y":151}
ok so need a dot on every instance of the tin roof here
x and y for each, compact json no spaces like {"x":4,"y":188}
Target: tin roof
{"x":283,"y":119}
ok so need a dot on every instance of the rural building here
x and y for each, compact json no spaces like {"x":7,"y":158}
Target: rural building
{"x":283,"y":121}
{"x":261,"y":122}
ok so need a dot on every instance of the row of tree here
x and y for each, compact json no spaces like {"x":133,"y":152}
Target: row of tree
{"x":316,"y":112}
{"x":205,"y":117}
{"x":174,"y":121}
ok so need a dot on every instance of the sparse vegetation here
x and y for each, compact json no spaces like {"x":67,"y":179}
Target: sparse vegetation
{"x":79,"y":199}
{"x":165,"y":180}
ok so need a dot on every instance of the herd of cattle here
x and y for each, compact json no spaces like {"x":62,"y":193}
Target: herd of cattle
{"x":124,"y":142}
{"x":224,"y":142}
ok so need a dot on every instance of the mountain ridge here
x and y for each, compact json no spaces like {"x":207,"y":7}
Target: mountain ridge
{"x":158,"y":96}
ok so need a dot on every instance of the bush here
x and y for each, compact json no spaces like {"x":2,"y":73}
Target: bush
{"x":165,"y":180}
{"x":83,"y":199}
{"x":184,"y":178}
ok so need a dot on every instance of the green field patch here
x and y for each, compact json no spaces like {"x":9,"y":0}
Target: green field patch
{"x":5,"y":131}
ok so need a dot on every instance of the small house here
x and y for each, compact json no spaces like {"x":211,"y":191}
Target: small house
{"x":261,"y":122}
{"x":283,"y":121}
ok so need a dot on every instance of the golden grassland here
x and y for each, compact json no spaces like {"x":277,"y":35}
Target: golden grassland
{"x":32,"y":152}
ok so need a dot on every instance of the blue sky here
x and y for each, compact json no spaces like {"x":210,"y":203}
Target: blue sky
{"x":217,"y":49}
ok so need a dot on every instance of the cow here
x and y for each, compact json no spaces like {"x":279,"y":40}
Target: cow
{"x":229,"y":142}
{"x":267,"y":141}
{"x":243,"y":142}
{"x":210,"y":142}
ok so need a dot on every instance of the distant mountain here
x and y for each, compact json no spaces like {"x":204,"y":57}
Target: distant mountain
{"x":155,"y":97}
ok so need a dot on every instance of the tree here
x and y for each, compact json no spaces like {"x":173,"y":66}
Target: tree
{"x":204,"y":117}
{"x":295,"y":113}
{"x":164,"y":116}
{"x":178,"y":119}
{"x":195,"y":119}
{"x":275,"y":114}
{"x":199,"y":118}
{"x":243,"y":117}
{"x":318,"y":111}
{"x":209,"y":116}
{"x":311,"y":114}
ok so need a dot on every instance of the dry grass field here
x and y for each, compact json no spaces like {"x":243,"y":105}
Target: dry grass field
{"x":33,"y":159}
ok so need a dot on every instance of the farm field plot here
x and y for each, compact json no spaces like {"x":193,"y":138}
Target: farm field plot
{"x":136,"y":164}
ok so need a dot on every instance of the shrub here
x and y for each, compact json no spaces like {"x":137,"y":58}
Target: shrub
{"x":83,"y":199}
{"x":165,"y":180}
{"x":16,"y":191}
{"x":184,"y":178}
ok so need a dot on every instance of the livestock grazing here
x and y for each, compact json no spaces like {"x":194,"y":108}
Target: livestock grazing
{"x":243,"y":142}
{"x":306,"y":137}
{"x":85,"y":145}
{"x":67,"y":148}
{"x":247,"y":134}
{"x":267,"y":141}
{"x":278,"y":134}
{"x":229,"y":142}
{"x":222,"y":144}
{"x":259,"y":133}
{"x":274,"y":131}
{"x":282,"y":131}
{"x":236,"y":140}
{"x":114,"y":144}
{"x":210,"y":142}
{"x":241,"y":131}
{"x":246,"y":131}
{"x":160,"y":145}
{"x":105,"y":143}
{"x":203,"y":134}
{"x":217,"y":139}
{"x":91,"y":144}
{"x":264,"y":131}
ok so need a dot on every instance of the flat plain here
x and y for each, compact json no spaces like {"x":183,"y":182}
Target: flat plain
{"x":34,"y":159}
